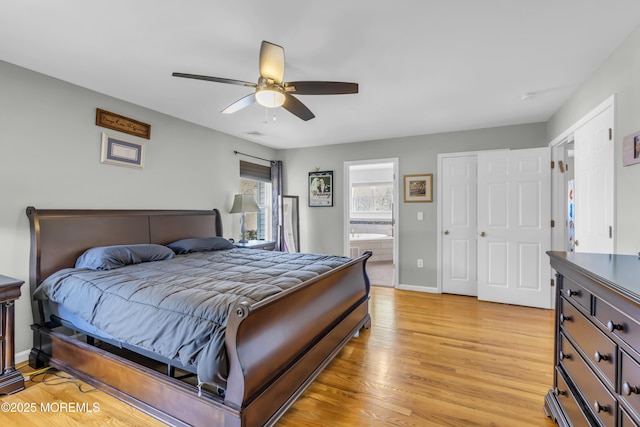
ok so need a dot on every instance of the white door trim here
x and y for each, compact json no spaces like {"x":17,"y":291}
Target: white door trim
{"x":559,"y":210}
{"x":610,"y":102}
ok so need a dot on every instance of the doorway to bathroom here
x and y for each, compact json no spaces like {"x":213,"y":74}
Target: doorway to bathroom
{"x":370,"y":217}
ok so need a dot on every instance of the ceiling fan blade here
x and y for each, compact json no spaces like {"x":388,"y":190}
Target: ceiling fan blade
{"x":321,"y":88}
{"x":295,"y":107}
{"x":241,"y":103}
{"x":214,"y":79}
{"x":272,"y":62}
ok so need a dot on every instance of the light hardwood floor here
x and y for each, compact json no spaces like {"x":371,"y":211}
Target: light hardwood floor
{"x":428,"y":360}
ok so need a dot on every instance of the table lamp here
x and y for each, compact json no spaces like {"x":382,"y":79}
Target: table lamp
{"x":244,"y":203}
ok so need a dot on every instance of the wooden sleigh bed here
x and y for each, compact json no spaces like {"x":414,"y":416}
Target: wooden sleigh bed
{"x":313,"y":321}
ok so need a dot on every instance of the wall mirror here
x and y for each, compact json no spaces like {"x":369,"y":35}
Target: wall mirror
{"x":290,"y":230}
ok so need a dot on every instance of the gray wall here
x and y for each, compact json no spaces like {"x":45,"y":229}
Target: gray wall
{"x":618,"y":75}
{"x":322,"y":229}
{"x":50,"y":158}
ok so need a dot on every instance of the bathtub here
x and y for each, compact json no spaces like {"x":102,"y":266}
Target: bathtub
{"x":368,"y":236}
{"x":380,"y":245}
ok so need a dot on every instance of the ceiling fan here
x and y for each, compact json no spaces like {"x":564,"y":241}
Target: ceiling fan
{"x":271,"y":91}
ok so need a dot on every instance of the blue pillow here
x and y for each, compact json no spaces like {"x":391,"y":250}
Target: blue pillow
{"x":110,"y":257}
{"x":202,"y":244}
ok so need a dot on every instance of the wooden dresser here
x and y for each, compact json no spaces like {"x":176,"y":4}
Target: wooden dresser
{"x":597,"y":341}
{"x":11,"y":379}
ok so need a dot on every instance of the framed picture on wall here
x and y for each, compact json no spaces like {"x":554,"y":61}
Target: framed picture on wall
{"x":418,"y":188}
{"x":631,"y":149}
{"x":320,"y":188}
{"x":122,"y":152}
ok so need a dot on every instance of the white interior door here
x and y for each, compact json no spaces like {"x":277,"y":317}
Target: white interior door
{"x":459,"y":225}
{"x":514,"y":226}
{"x":594,"y":186}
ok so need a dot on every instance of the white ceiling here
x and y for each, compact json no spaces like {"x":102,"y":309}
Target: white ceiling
{"x":423,"y":66}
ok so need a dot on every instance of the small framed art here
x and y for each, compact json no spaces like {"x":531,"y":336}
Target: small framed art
{"x":121,"y":152}
{"x":631,"y":149}
{"x":321,"y":188}
{"x":418,"y":188}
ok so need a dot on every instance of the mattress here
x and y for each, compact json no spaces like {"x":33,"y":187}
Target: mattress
{"x":178,"y":308}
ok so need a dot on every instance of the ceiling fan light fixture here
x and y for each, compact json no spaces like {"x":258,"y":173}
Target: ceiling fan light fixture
{"x":272,"y":91}
{"x":270,"y":96}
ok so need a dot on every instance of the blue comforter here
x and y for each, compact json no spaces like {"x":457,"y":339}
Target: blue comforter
{"x":178,"y":308}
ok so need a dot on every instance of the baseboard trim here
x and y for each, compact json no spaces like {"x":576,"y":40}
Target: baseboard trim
{"x":428,"y":289}
{"x":22,"y":357}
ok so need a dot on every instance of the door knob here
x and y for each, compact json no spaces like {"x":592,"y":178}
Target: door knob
{"x":576,"y":243}
{"x":482,"y":234}
{"x":446,"y":231}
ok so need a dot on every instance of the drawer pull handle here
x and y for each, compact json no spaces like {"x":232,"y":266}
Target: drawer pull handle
{"x":564,"y":355}
{"x":614,"y":326}
{"x":560,"y":392}
{"x":571,"y":293}
{"x":600,"y":408}
{"x":599,"y":357}
{"x":628,"y":389}
{"x":567,"y":318}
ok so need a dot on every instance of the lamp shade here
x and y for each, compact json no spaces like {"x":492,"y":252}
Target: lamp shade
{"x":244,"y":203}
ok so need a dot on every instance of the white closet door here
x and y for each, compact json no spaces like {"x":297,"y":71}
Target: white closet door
{"x":594,"y":186}
{"x":514,"y":226}
{"x":459,"y":225}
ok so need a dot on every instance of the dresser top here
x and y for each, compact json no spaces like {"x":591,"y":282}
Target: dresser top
{"x":619,"y":272}
{"x":9,"y":281}
{"x":9,"y":288}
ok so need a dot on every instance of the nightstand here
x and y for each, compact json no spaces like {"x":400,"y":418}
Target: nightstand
{"x":266,"y":245}
{"x":11,"y":380}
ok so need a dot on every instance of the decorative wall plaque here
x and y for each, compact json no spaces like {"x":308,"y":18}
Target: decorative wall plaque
{"x":123,"y":124}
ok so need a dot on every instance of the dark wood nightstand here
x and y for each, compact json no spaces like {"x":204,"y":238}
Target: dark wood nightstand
{"x":11,"y":380}
{"x":266,"y":245}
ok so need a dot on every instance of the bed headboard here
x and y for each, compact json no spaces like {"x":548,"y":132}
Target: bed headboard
{"x":60,"y":236}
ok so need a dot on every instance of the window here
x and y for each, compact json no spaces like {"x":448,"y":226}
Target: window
{"x":256,"y":179}
{"x":258,"y":224}
{"x":372,"y":198}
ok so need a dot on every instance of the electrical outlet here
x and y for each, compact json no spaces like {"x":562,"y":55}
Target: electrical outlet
{"x":420,"y":263}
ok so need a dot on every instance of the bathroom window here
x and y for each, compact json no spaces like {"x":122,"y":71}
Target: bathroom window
{"x":372,"y":198}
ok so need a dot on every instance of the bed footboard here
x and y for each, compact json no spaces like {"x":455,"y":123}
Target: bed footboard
{"x":278,"y":346}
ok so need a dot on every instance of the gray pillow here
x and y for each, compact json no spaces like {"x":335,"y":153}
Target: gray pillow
{"x":110,"y":257}
{"x":202,"y":244}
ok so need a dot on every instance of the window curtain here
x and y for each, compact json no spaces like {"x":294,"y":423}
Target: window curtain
{"x":276,"y":204}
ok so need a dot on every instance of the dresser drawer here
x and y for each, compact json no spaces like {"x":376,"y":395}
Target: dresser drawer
{"x":626,"y":421}
{"x":569,"y":402}
{"x":601,"y":402}
{"x":617,"y":322}
{"x":593,"y":342}
{"x":576,"y":293}
{"x":630,"y":381}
